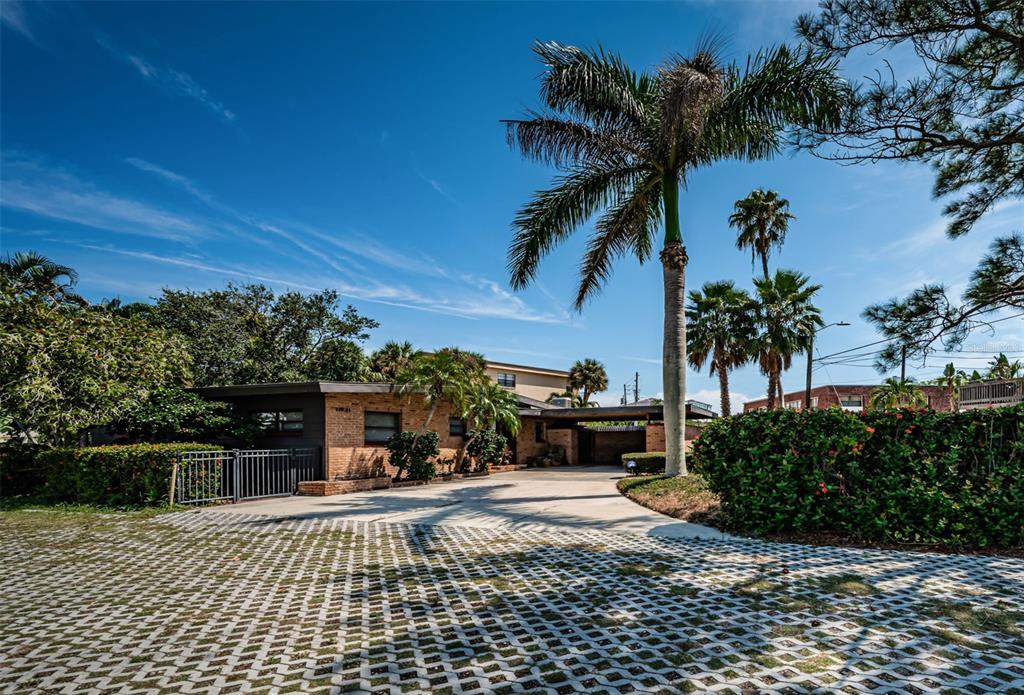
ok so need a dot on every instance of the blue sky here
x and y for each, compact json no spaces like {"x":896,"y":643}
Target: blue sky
{"x":358,"y":147}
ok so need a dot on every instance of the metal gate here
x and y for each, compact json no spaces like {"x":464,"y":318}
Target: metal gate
{"x":243,"y":474}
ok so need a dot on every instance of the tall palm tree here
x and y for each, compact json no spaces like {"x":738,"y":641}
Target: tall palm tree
{"x":951,"y":380}
{"x":486,"y":406}
{"x":573,"y":396}
{"x":391,"y":358}
{"x":762,"y":219}
{"x":896,"y":393}
{"x":721,"y":330}
{"x":446,"y":375}
{"x":626,"y":142}
{"x":31,"y":273}
{"x":786,"y":319}
{"x":587,"y":377}
{"x":1002,"y":368}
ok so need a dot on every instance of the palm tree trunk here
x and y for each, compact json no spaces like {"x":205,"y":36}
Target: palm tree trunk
{"x":764,"y":265}
{"x":673,"y":357}
{"x":771,"y":387}
{"x":723,"y":388}
{"x":778,"y":384}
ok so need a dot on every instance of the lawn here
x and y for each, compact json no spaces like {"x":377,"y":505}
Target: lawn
{"x":107,"y":601}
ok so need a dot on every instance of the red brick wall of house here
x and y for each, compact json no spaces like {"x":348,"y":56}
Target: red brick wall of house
{"x":656,"y":435}
{"x":938,"y":397}
{"x":346,"y":454}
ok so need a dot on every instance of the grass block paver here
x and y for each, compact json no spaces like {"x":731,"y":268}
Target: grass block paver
{"x":232,"y":603}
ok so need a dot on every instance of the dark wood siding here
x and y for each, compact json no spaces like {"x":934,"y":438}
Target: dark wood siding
{"x":311,"y":405}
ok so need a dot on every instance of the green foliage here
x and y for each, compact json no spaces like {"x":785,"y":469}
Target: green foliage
{"x":19,"y":470}
{"x":647,"y":462}
{"x":587,"y":377}
{"x":390,"y":359}
{"x":761,"y":220}
{"x":897,"y":394}
{"x":31,"y":274}
{"x":907,"y":476}
{"x":63,"y":370}
{"x":487,"y":447}
{"x":134,"y":474}
{"x":488,"y":405}
{"x":720,"y":332}
{"x":446,"y":375}
{"x":246,"y":334}
{"x":173,"y":414}
{"x":1002,"y":368}
{"x":415,"y":453}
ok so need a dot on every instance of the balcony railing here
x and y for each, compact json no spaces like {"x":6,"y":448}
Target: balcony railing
{"x":991,"y":394}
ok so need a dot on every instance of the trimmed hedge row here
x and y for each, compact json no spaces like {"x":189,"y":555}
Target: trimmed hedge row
{"x":116,"y":475}
{"x":907,"y":476}
{"x":646,"y":462}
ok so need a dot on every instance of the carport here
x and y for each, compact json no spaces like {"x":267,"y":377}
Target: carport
{"x":641,"y":429}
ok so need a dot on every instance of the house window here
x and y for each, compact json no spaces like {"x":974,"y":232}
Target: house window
{"x":538,"y":433}
{"x":507,"y":380}
{"x":814,"y":402}
{"x":280,"y":422}
{"x":456,"y":427}
{"x":793,"y":405}
{"x":378,"y":428}
{"x":851,"y":402}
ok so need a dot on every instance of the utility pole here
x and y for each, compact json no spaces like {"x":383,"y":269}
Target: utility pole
{"x":903,"y":362}
{"x":636,"y":387}
{"x":625,"y":397}
{"x":810,"y":362}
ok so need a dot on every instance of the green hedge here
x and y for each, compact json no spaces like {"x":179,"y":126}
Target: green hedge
{"x":646,"y":461}
{"x":908,"y":476}
{"x":134,"y":474}
{"x":19,"y":468}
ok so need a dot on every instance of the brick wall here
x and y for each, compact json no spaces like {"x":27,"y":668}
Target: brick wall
{"x":568,"y":440}
{"x":346,"y":454}
{"x":656,"y":435}
{"x":938,"y":397}
{"x":526,"y":445}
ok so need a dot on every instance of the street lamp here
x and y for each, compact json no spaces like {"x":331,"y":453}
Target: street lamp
{"x":810,"y":360}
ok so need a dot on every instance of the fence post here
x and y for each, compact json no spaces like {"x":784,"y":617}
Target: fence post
{"x":236,"y":475}
{"x":174,"y":481}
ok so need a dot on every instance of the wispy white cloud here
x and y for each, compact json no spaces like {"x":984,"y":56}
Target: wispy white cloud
{"x":169,"y":79}
{"x":438,"y":187}
{"x":52,"y":192}
{"x":13,"y":15}
{"x":184,"y":182}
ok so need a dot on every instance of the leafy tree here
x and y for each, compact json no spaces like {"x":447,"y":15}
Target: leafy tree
{"x":171,"y":414}
{"x":446,"y":375}
{"x":627,"y":141}
{"x":762,"y":220}
{"x":391,"y":358}
{"x":895,"y":393}
{"x":786,"y":318}
{"x":487,"y":448}
{"x":415,"y":453}
{"x":30,"y":273}
{"x":960,"y":111}
{"x":488,"y":406}
{"x":951,"y":380}
{"x":587,"y":377}
{"x":1002,"y":368}
{"x":928,"y":316}
{"x":246,"y":334}
{"x":721,"y":332}
{"x":62,"y":371}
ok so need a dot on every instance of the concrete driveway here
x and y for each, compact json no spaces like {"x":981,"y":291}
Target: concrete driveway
{"x":534,"y":499}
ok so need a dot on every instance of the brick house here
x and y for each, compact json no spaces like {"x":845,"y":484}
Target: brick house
{"x":851,"y":397}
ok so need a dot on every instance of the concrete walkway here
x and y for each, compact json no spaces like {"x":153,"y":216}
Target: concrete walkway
{"x":533,"y":499}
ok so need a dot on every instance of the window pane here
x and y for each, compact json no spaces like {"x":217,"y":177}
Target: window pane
{"x":382,"y":420}
{"x":266,"y":420}
{"x":456,"y":426}
{"x":291,"y":416}
{"x":378,"y":435}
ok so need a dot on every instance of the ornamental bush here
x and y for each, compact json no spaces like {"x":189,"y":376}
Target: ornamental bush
{"x":415,"y":453}
{"x":905,"y":476}
{"x":647,"y":462}
{"x":116,"y":475}
{"x":487,"y":447}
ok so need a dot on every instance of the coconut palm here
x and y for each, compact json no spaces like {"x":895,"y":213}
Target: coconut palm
{"x":446,"y":375}
{"x":31,"y":273}
{"x":896,"y":393}
{"x":786,"y":319}
{"x":762,"y":220}
{"x":486,"y":406}
{"x":573,"y":396}
{"x":626,"y":142}
{"x":391,"y":358}
{"x":720,"y":332}
{"x":951,"y":380}
{"x":587,"y":377}
{"x":1002,"y":368}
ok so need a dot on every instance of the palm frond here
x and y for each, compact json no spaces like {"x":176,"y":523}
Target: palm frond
{"x":628,"y":225}
{"x":555,"y":213}
{"x":560,"y":142}
{"x":689,"y":87}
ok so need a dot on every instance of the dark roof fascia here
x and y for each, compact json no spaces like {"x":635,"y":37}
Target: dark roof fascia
{"x":292,"y":388}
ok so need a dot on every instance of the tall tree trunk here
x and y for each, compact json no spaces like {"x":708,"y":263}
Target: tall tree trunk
{"x":764,"y":265}
{"x":771,"y":386}
{"x":673,"y":357}
{"x":723,"y":388}
{"x":778,"y":383}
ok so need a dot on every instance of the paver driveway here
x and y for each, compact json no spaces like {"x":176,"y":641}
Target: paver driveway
{"x":218,"y":602}
{"x":569,"y":498}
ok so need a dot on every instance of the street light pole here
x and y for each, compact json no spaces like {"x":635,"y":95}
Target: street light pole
{"x":810,"y":361}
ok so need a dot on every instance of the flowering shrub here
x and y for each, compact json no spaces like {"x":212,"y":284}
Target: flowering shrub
{"x":133,"y":474}
{"x":908,"y":476}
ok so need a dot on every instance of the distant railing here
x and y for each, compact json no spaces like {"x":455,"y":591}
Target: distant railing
{"x":991,"y":394}
{"x":699,"y":404}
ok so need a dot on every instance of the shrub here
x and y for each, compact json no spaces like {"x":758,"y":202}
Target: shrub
{"x":171,"y":413}
{"x":905,"y":476}
{"x":646,"y":462}
{"x":415,"y":453}
{"x":133,"y":474}
{"x":487,"y":447}
{"x":19,"y":470}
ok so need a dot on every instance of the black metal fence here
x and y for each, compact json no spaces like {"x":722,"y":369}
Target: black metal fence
{"x":242,"y":474}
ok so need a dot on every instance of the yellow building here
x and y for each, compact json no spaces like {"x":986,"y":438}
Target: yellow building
{"x":533,"y":382}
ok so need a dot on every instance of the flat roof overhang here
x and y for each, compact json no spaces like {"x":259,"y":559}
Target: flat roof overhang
{"x":696,"y":411}
{"x":292,"y":387}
